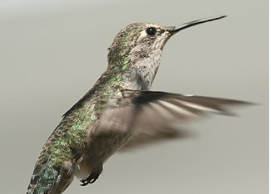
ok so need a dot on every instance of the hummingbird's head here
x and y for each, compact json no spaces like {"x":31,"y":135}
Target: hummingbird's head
{"x":138,"y":47}
{"x":137,"y":41}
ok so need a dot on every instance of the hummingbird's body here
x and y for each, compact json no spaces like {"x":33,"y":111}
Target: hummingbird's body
{"x":118,"y":109}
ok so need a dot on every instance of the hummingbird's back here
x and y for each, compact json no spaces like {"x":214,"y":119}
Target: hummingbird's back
{"x":72,"y":148}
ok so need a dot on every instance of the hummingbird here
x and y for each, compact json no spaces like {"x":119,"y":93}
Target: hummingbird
{"x":119,"y":111}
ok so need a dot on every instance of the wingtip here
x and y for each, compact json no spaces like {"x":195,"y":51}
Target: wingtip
{"x":247,"y":103}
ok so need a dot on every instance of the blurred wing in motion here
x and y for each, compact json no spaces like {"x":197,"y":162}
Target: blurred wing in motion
{"x":151,"y":116}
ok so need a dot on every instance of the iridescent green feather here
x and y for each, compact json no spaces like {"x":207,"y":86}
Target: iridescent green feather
{"x":82,"y":119}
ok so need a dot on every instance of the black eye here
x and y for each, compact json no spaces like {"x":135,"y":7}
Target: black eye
{"x":151,"y":31}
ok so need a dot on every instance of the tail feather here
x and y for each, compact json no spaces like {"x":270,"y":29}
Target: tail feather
{"x":49,"y":179}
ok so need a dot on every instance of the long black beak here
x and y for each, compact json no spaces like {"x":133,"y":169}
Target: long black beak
{"x":193,"y":23}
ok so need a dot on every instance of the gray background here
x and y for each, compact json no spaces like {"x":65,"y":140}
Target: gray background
{"x":51,"y":54}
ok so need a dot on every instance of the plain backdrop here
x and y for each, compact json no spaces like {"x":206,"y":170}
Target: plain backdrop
{"x":51,"y":55}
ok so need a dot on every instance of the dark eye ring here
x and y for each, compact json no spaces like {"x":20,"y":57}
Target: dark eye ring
{"x":151,"y":31}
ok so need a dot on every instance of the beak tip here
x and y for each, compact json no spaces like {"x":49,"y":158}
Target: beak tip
{"x":222,"y":16}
